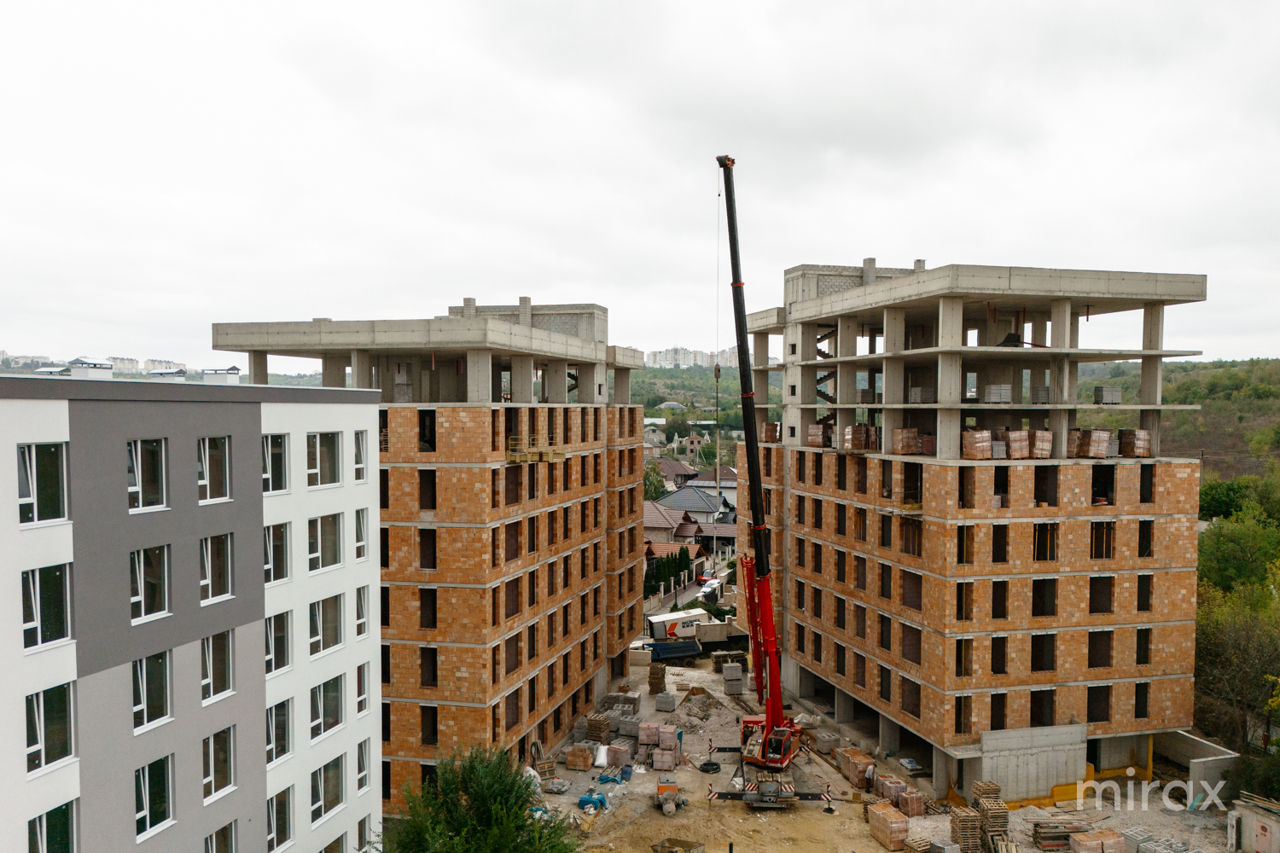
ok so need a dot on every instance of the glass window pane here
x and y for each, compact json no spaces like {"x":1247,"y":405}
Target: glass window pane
{"x":49,"y":491}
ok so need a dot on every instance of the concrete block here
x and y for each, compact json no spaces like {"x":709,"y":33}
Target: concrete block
{"x":667,"y":737}
{"x":732,"y":671}
{"x":647,"y":733}
{"x":665,"y":702}
{"x":664,"y":759}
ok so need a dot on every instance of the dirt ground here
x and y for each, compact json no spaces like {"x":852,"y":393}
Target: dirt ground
{"x":630,"y":823}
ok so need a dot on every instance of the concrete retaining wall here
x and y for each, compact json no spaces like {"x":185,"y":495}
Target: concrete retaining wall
{"x":1029,"y":762}
{"x":1205,"y":761}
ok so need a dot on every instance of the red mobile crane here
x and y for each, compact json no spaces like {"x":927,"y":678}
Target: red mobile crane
{"x":770,"y":742}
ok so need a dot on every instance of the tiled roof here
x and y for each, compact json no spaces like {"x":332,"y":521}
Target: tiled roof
{"x":723,"y":531}
{"x":675,"y":468}
{"x":663,"y":549}
{"x":657,"y":515}
{"x":689,"y":500}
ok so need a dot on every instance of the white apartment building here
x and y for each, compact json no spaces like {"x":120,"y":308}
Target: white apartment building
{"x":186,"y":561}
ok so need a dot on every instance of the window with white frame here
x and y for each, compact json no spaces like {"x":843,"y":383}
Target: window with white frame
{"x":215,"y":568}
{"x":146,"y":480}
{"x":326,"y":624}
{"x":275,"y":464}
{"x":362,"y":611}
{"x":275,"y":553}
{"x":337,"y":845}
{"x":362,"y":688}
{"x":54,"y":831}
{"x":46,"y":605}
{"x":278,"y":720}
{"x":324,"y":542}
{"x":362,"y":765}
{"x":150,"y":689}
{"x":218,"y":761}
{"x":148,"y":582}
{"x":324,"y":458}
{"x":42,"y":482}
{"x":151,"y":790}
{"x":215,"y":666}
{"x":326,"y":706}
{"x":362,"y":456}
{"x":213,"y":468}
{"x":222,"y":841}
{"x":363,"y":836}
{"x":326,"y":788}
{"x":277,"y":652}
{"x":280,"y":819}
{"x":362,"y":533}
{"x":49,"y":726}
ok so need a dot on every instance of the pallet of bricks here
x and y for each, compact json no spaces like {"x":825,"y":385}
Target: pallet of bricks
{"x":1088,"y":443}
{"x":889,"y":787}
{"x":1135,"y":443}
{"x":904,"y":442}
{"x":1098,"y":841}
{"x":966,"y":829}
{"x":1054,"y":834}
{"x":975,"y":444}
{"x":853,"y":764}
{"x":859,"y":438}
{"x":817,"y":435}
{"x":888,"y":826}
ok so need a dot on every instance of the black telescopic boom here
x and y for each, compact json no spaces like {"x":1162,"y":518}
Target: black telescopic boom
{"x":759,"y":536}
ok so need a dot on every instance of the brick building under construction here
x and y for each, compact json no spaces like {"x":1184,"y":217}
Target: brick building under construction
{"x":511,"y":521}
{"x":965,"y":576}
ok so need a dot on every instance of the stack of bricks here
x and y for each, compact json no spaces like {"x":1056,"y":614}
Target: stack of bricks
{"x":889,"y":787}
{"x":1135,"y":443}
{"x":888,"y":826}
{"x":975,"y":444}
{"x":905,"y":442}
{"x":1099,"y":841}
{"x":1041,"y":444}
{"x":1019,"y":441}
{"x":657,"y":678}
{"x":620,"y":751}
{"x":911,"y":803}
{"x":853,"y":764}
{"x":578,"y":757}
{"x":966,"y":829}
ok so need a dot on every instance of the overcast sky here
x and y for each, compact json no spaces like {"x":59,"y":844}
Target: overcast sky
{"x":167,"y":165}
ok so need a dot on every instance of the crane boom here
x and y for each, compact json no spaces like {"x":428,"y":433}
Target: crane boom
{"x":778,"y":736}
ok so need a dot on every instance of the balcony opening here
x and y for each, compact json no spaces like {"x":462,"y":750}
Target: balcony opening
{"x":426,"y":430}
{"x":912,"y":482}
{"x":1044,"y":541}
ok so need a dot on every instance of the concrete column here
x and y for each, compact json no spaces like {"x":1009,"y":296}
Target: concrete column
{"x":950,"y":321}
{"x":888,"y":734}
{"x":526,"y":311}
{"x":622,"y":386}
{"x":257,"y":368}
{"x":555,"y":381}
{"x":1152,"y":340}
{"x":759,"y":350}
{"x":868,"y":271}
{"x":333,"y":371}
{"x":950,"y":375}
{"x":943,"y":772}
{"x":522,"y":379}
{"x":895,"y":340}
{"x":846,"y":374}
{"x":1060,"y":318}
{"x":361,"y":369}
{"x":479,"y":376}
{"x":844,"y":707}
{"x":593,"y":384}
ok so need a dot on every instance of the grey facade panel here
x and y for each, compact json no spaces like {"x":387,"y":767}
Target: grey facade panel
{"x":106,"y":532}
{"x":110,"y":752}
{"x":61,"y":388}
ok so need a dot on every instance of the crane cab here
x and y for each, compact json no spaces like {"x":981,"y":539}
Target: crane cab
{"x":770,"y":749}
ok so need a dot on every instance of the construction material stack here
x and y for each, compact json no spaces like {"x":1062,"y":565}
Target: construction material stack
{"x":853,"y":764}
{"x":598,"y":728}
{"x":994,"y":816}
{"x":1054,"y":834}
{"x":733,"y":679}
{"x":966,"y":829}
{"x":888,"y":826}
{"x":984,"y":790}
{"x":1098,"y":841}
{"x":911,"y":803}
{"x":657,"y":678}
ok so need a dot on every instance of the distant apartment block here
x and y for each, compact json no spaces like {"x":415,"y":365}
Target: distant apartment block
{"x":186,"y":564}
{"x":994,"y":612}
{"x":512,"y":517}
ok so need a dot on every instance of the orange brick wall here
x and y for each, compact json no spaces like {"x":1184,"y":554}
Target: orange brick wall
{"x":583,"y":572}
{"x":1171,"y":565}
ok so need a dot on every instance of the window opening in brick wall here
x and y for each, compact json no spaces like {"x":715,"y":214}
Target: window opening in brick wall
{"x":964,"y":601}
{"x":886,"y":683}
{"x":912,"y":589}
{"x":860,"y":621}
{"x":909,"y":696}
{"x":1046,"y":487}
{"x":999,"y":599}
{"x":1100,"y":649}
{"x":426,"y":430}
{"x":1043,"y":652}
{"x":964,"y":544}
{"x":911,"y":642}
{"x":842,"y":472}
{"x":886,"y":478}
{"x":1144,"y":592}
{"x":1044,"y":542}
{"x":1142,"y":648}
{"x":1000,"y":488}
{"x":426,"y":548}
{"x":426,"y":488}
{"x":886,"y":632}
{"x":886,"y":530}
{"x":1044,"y":597}
{"x":999,"y":543}
{"x":911,"y":534}
{"x":1103,"y":489}
{"x":860,"y":572}
{"x":966,"y":489}
{"x":511,"y":598}
{"x":1099,"y":703}
{"x":999,"y":702}
{"x":886,"y":581}
{"x":426,"y":607}
{"x":817,"y":469}
{"x":999,"y":655}
{"x":1147,"y":483}
{"x":964,"y":656}
{"x":860,"y":475}
{"x":800,"y":457}
{"x":1102,"y":537}
{"x":817,"y":513}
{"x":1100,"y":594}
{"x":1042,"y":712}
{"x":964,"y":712}
{"x":1146,"y":538}
{"x":1141,"y":694}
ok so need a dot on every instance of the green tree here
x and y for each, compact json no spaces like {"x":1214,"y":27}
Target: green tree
{"x":1236,"y":550}
{"x":1237,"y":655}
{"x":1221,"y":498}
{"x":654,"y":486}
{"x":480,"y":802}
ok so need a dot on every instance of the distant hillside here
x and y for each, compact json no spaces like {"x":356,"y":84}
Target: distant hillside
{"x":1236,"y":427}
{"x":694,"y":387}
